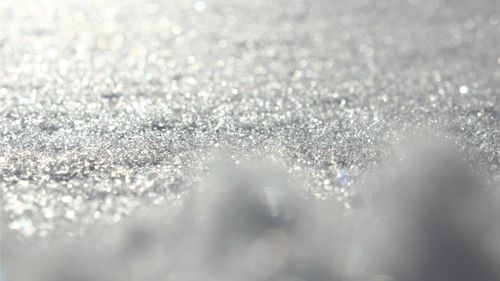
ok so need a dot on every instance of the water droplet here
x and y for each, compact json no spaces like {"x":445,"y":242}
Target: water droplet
{"x":199,"y":6}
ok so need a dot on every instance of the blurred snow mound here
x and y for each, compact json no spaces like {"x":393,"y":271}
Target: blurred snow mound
{"x":421,"y":217}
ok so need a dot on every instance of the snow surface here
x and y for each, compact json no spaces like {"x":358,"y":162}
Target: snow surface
{"x":115,"y":108}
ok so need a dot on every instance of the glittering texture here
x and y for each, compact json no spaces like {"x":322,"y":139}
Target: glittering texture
{"x":110,"y":106}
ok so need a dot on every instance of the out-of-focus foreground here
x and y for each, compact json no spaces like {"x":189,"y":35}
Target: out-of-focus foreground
{"x":413,"y":220}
